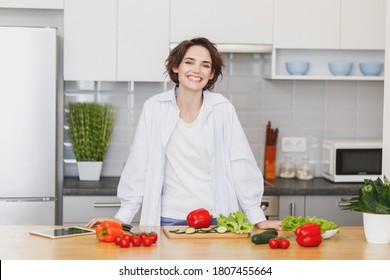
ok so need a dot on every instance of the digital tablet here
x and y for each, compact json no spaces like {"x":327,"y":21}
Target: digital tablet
{"x":55,"y":233}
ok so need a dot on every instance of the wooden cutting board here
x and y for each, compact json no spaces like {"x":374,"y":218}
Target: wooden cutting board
{"x":212,"y":235}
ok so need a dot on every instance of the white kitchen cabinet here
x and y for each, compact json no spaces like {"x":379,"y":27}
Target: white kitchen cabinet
{"x":143,"y":40}
{"x":363,"y":24}
{"x":115,"y":40}
{"x":32,"y":4}
{"x":291,"y":205}
{"x":327,"y":207}
{"x":78,"y":210}
{"x":306,"y":24}
{"x":90,"y":40}
{"x":222,"y":21}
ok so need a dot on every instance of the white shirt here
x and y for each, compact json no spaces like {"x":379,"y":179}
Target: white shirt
{"x":187,"y":180}
{"x":237,"y":181}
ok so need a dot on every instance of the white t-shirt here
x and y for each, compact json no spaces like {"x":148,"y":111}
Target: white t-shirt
{"x":187,"y":181}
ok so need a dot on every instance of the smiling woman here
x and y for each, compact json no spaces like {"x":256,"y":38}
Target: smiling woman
{"x":189,"y":150}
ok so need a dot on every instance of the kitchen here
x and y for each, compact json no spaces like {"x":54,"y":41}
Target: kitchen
{"x":313,"y":109}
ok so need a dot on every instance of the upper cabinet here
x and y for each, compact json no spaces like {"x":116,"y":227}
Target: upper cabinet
{"x":90,"y":40}
{"x":143,"y":39}
{"x":363,"y":24}
{"x":306,"y":24}
{"x":331,"y":24}
{"x":32,"y":4}
{"x":222,"y":21}
{"x":115,"y":40}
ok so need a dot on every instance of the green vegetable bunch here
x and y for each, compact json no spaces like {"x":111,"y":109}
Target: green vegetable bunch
{"x":236,"y":222}
{"x":374,"y":197}
{"x":90,"y":127}
{"x":293,"y":222}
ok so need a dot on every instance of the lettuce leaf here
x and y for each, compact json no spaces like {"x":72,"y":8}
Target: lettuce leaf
{"x":292,"y":222}
{"x":236,"y":222}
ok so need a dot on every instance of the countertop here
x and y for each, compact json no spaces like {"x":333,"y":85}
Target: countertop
{"x":279,"y":186}
{"x":348,"y":244}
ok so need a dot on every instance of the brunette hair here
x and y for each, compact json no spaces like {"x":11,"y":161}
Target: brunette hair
{"x":177,"y":55}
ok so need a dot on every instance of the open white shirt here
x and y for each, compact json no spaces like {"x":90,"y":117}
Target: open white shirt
{"x":187,"y":180}
{"x":237,"y":181}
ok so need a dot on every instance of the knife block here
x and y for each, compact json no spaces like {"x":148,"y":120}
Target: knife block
{"x":270,"y":162}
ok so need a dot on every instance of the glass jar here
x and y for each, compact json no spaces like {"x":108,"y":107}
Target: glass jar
{"x":305,"y":170}
{"x":287,"y":168}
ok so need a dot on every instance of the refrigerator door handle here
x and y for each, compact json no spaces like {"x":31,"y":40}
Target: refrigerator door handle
{"x":27,"y":199}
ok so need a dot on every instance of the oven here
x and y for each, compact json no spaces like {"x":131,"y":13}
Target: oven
{"x":270,"y":206}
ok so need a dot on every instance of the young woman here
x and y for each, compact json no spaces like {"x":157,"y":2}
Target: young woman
{"x":190,"y":150}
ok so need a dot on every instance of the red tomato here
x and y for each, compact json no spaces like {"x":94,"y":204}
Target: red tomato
{"x":124,"y":243}
{"x":136,"y":240}
{"x":284,"y":243}
{"x":273,"y":243}
{"x":147,"y":241}
{"x":118,"y":239}
{"x":153,"y":236}
{"x":127,"y":236}
{"x":143,"y":235}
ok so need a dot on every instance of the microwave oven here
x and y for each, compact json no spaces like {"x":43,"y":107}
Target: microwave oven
{"x":351,"y":160}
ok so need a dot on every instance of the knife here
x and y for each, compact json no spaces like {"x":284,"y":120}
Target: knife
{"x":128,"y":227}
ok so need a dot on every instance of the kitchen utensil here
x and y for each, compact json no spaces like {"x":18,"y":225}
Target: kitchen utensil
{"x":340,"y":68}
{"x":371,"y":69}
{"x":297,"y":67}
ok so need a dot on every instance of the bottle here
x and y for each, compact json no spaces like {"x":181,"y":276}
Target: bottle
{"x":305,"y":170}
{"x":287,"y":168}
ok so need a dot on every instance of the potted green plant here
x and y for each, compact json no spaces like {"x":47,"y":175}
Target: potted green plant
{"x":373,"y":201}
{"x":90,"y":127}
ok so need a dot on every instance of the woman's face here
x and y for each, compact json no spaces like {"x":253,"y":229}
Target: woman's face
{"x":195,"y":70}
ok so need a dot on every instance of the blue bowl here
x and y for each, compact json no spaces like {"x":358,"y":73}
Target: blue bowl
{"x":297,"y":67}
{"x":371,"y":69}
{"x":340,"y":68}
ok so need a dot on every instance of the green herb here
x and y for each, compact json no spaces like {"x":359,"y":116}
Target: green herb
{"x":292,"y":222}
{"x":374,"y":197}
{"x":236,"y":222}
{"x":90,"y":127}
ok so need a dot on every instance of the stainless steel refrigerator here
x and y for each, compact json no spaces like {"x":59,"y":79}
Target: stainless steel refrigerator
{"x":28,"y":90}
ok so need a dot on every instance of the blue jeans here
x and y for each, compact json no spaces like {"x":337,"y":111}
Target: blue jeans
{"x":176,"y":222}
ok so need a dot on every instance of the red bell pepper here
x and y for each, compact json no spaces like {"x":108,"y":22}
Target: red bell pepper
{"x":199,"y":218}
{"x":308,"y":235}
{"x":107,"y":230}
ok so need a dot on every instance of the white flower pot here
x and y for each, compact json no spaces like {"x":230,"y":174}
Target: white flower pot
{"x":89,"y":170}
{"x":377,"y":228}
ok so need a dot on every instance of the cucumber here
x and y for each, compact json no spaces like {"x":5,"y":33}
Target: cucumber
{"x":221,"y":229}
{"x":190,"y":230}
{"x":264,"y":237}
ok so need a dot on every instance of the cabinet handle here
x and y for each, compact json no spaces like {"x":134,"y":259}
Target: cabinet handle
{"x":106,"y":205}
{"x":292,"y":209}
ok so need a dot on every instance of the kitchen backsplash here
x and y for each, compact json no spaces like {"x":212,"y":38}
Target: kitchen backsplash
{"x":311,"y":109}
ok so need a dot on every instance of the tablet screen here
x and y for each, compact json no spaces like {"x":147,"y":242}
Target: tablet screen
{"x":63,"y":232}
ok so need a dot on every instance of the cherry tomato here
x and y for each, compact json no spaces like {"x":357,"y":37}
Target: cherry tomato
{"x":273,"y":243}
{"x":153,"y":236}
{"x":118,"y":239}
{"x":136,"y":240}
{"x":147,"y":241}
{"x":284,"y":243}
{"x":143,"y":235}
{"x":124,"y":243}
{"x":127,"y":236}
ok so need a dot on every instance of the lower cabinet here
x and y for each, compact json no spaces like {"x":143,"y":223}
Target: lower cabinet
{"x":78,"y":210}
{"x":321,"y":206}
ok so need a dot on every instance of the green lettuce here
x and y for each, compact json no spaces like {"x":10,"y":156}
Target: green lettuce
{"x":236,"y":222}
{"x":292,"y":222}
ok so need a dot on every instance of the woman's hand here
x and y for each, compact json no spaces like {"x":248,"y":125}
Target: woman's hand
{"x":270,"y":225}
{"x":96,"y":221}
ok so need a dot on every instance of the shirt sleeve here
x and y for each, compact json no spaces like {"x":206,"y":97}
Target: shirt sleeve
{"x":247,"y":177}
{"x":132,"y":182}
